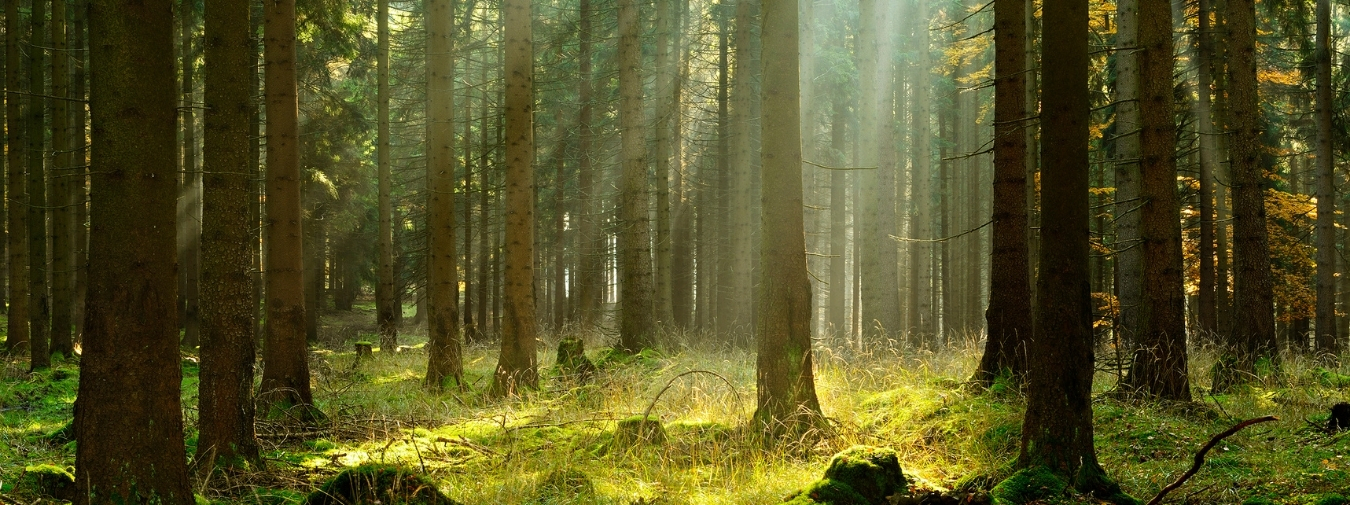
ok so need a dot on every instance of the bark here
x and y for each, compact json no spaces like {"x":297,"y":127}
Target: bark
{"x":1204,"y":116}
{"x":1129,"y":255}
{"x":1327,"y":336}
{"x":665,"y":116}
{"x":63,"y":216}
{"x":386,"y":309}
{"x":785,"y":384}
{"x":635,"y":264}
{"x":1159,"y":366}
{"x":921,"y":253}
{"x":516,"y":368}
{"x":128,"y":421}
{"x":1224,"y":176}
{"x":737,"y":306}
{"x":225,"y":407}
{"x":39,"y":313}
{"x":1252,"y":336}
{"x":485,"y":210}
{"x":17,"y":341}
{"x":1057,"y":428}
{"x":591,"y":262}
{"x":720,"y":302}
{"x":470,"y":324}
{"x":1009,"y":313}
{"x":560,"y":235}
{"x":838,"y":219}
{"x":444,"y":359}
{"x":682,"y":247}
{"x":880,"y":291}
{"x":190,"y":198}
{"x":285,"y":381}
{"x":80,"y":163}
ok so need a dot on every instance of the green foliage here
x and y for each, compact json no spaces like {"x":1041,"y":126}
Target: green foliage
{"x":639,"y":431}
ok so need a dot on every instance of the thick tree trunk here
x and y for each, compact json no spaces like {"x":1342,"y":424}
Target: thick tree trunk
{"x":736,"y":306}
{"x":1009,"y":313}
{"x":1252,"y":336}
{"x":385,"y":307}
{"x":39,"y":315}
{"x":17,"y":341}
{"x":636,"y":330}
{"x":444,"y":359}
{"x":227,"y":353}
{"x":1327,"y":336}
{"x":1159,"y":366}
{"x":516,"y":364}
{"x":285,"y":381}
{"x":128,"y":422}
{"x":879,"y":254}
{"x":787,"y":395}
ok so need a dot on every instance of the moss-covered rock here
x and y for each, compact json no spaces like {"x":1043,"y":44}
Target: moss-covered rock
{"x":49,"y":481}
{"x":1028,"y":485}
{"x":639,"y":431}
{"x":384,"y":484}
{"x":564,"y":486}
{"x":874,"y":472}
{"x":828,"y":492}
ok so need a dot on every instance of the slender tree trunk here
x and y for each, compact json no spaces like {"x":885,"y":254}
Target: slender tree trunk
{"x":635,"y":264}
{"x":1327,"y":336}
{"x":1129,"y":254}
{"x":737,"y":306}
{"x":227,"y":354}
{"x":189,"y":269}
{"x":128,"y":424}
{"x":665,"y":116}
{"x":79,"y":162}
{"x":784,"y":379}
{"x":285,"y":381}
{"x":682,"y":248}
{"x":1057,"y":429}
{"x":591,"y":271}
{"x":256,"y":174}
{"x":720,"y":302}
{"x":444,"y":358}
{"x":1159,"y":366}
{"x":921,"y":253}
{"x":39,"y":314}
{"x":485,"y":212}
{"x":516,"y":365}
{"x":17,"y":341}
{"x":1206,"y":312}
{"x":63,"y":217}
{"x":470,"y":280}
{"x":560,"y":235}
{"x":838,"y":219}
{"x":881,"y":291}
{"x":385,"y":310}
{"x":1009,"y":314}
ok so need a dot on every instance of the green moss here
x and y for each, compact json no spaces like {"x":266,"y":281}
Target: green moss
{"x":1258,"y":500}
{"x":1332,"y":499}
{"x":49,"y":480}
{"x":320,"y":444}
{"x":1028,"y":485}
{"x":564,"y":486}
{"x":873,"y":472}
{"x":613,"y":358}
{"x":374,"y":483}
{"x":827,"y":492}
{"x":639,"y":431}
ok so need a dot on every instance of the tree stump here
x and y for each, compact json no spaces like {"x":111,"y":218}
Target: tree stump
{"x":363,"y":349}
{"x":572,"y":361}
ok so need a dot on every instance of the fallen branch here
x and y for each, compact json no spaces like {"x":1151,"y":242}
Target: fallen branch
{"x":670,"y":383}
{"x":1200,"y":456}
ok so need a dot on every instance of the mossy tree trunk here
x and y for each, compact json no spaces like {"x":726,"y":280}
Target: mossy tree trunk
{"x":128,"y":421}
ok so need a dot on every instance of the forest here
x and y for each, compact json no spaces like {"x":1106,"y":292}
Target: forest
{"x":545,"y":252}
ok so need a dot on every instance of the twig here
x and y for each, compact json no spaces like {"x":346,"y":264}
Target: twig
{"x":672,"y":380}
{"x":1200,"y":456}
{"x":413,"y":440}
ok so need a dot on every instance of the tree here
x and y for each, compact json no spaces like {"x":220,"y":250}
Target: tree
{"x":783,"y":370}
{"x":17,"y":340}
{"x":667,"y":106}
{"x":38,"y":310}
{"x":635,"y":263}
{"x":128,"y":421}
{"x":1009,"y":312}
{"x":880,"y":291}
{"x":516,"y":367}
{"x":1057,"y":427}
{"x":590,"y":263}
{"x":227,"y":350}
{"x":1129,"y":257}
{"x":1252,"y":336}
{"x":285,"y":381}
{"x":737,"y":280}
{"x":444,"y":360}
{"x":1159,"y":366}
{"x":1206,"y":313}
{"x":189,"y":196}
{"x":62,"y":215}
{"x":385,"y":315}
{"x":1327,"y":336}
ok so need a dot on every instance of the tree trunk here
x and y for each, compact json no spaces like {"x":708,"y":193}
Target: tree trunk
{"x":80,"y":163}
{"x":128,"y":424}
{"x":721,"y":221}
{"x":470,"y":326}
{"x":738,"y":283}
{"x":921,"y":253}
{"x":1327,"y":336}
{"x":682,"y":247}
{"x":1159,"y":366}
{"x":1204,"y":116}
{"x":17,"y":341}
{"x":227,"y":354}
{"x":635,"y":264}
{"x":444,"y":359}
{"x":486,"y":209}
{"x":285,"y":381}
{"x":39,"y":312}
{"x":881,"y":291}
{"x":385,"y":307}
{"x":516,"y":365}
{"x":665,"y":116}
{"x":1252,"y":336}
{"x":1057,"y":429}
{"x":189,"y":268}
{"x":787,"y":394}
{"x":63,"y":217}
{"x":1009,"y":314}
{"x":838,"y":219}
{"x":1129,"y":255}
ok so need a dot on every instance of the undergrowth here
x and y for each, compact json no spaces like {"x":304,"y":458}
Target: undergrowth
{"x":481,"y":450}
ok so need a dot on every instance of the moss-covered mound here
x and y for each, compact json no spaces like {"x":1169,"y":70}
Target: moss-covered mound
{"x":859,"y":475}
{"x":639,"y":431}
{"x":564,"y":486}
{"x":384,"y":484}
{"x":1332,"y":499}
{"x":49,"y":481}
{"x":1028,"y":485}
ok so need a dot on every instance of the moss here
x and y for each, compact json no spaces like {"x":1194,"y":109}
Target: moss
{"x":1332,"y":499}
{"x":827,"y":492}
{"x":1028,"y":485}
{"x":49,"y":480}
{"x":1258,"y":500}
{"x":637,"y":431}
{"x":376,"y":483}
{"x":62,"y":435}
{"x":320,"y":444}
{"x":611,"y":358}
{"x":564,"y":486}
{"x":873,"y":472}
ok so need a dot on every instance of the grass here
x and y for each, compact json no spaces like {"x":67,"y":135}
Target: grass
{"x":486,"y":451}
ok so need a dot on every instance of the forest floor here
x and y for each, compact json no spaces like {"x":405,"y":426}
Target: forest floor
{"x":488,"y":451}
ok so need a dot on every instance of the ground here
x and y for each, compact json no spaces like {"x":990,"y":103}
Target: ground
{"x":480,"y":450}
